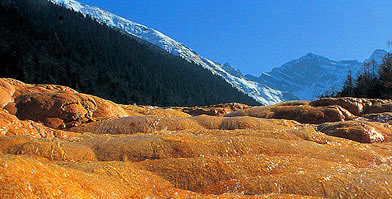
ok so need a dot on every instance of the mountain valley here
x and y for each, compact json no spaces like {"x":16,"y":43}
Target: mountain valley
{"x":93,"y":105}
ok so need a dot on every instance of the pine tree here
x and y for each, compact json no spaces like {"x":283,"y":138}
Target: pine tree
{"x":348,"y":87}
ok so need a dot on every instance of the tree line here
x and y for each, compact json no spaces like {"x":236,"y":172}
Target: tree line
{"x":375,"y":81}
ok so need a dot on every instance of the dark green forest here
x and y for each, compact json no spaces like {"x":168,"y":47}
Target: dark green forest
{"x":44,"y":43}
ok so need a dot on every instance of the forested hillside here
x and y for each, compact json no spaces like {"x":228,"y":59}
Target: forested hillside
{"x":44,"y":43}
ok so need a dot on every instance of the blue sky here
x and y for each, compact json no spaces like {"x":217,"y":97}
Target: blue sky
{"x":257,"y":35}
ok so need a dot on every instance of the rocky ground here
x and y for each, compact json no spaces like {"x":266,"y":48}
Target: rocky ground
{"x":58,"y":143}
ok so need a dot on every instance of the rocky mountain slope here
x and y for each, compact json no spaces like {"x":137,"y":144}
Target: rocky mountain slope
{"x":57,"y":142}
{"x":262,"y":93}
{"x":311,"y":75}
{"x":45,"y":43}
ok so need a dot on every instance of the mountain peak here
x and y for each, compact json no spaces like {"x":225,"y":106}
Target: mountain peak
{"x":377,"y":55}
{"x":231,"y":70}
{"x":312,"y":56}
{"x":380,"y":51}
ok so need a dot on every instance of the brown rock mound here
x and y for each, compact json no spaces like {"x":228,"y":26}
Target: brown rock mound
{"x":365,"y":132}
{"x":381,"y":107}
{"x":54,"y":105}
{"x":141,"y":147}
{"x":108,"y":109}
{"x":53,"y":149}
{"x":149,"y":124}
{"x":154,"y":110}
{"x":301,"y":113}
{"x":60,"y":106}
{"x":233,"y":123}
{"x":353,"y":105}
{"x":293,"y":103}
{"x":385,"y":117}
{"x":55,"y":109}
{"x":10,"y":125}
{"x":356,"y":106}
{"x":23,"y":88}
{"x":214,"y":110}
{"x":186,"y":144}
{"x":8,"y":143}
{"x":138,"y":124}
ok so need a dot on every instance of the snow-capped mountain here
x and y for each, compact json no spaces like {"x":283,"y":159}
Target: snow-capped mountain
{"x":231,"y":70}
{"x":311,"y":75}
{"x":260,"y":92}
{"x":377,"y":56}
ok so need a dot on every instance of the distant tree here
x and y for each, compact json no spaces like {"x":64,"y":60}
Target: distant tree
{"x":373,"y":67}
{"x":328,"y":94}
{"x":361,"y":85}
{"x":370,"y":84}
{"x":348,"y":86}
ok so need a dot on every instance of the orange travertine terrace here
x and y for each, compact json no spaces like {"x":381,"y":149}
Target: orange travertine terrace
{"x":58,"y":143}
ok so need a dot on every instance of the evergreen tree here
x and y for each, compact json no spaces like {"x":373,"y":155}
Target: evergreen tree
{"x":368,"y":84}
{"x":348,"y":87}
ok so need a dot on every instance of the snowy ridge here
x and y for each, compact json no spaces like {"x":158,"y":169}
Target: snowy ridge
{"x":260,"y":92}
{"x":377,"y":56}
{"x":311,"y":75}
